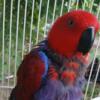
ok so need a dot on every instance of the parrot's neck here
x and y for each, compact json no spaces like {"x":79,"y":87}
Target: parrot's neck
{"x":53,"y":56}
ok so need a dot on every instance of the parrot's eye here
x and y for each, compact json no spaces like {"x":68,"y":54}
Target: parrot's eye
{"x":70,"y":23}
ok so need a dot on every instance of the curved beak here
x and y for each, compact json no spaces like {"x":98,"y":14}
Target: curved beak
{"x":86,"y":40}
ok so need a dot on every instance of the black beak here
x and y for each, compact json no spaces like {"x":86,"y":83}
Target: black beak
{"x":86,"y":40}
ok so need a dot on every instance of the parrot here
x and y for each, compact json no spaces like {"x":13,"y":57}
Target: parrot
{"x":55,"y":68}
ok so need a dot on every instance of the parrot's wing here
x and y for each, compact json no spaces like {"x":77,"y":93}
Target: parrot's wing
{"x":30,"y":74}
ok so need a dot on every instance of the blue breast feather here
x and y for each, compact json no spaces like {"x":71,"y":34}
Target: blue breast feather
{"x":44,"y":58}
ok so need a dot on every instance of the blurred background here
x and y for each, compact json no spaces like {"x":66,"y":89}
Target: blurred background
{"x":23,"y":23}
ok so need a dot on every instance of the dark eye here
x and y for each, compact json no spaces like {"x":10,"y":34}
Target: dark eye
{"x":70,"y":23}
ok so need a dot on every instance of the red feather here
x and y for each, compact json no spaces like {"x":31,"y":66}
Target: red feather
{"x":29,"y":76}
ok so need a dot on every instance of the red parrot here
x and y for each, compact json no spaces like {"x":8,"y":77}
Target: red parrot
{"x":54,"y":70}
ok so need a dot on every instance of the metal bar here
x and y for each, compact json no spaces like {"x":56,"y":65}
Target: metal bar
{"x":98,"y":11}
{"x":24,"y":29}
{"x":55,"y":4}
{"x":92,"y":2}
{"x":3,"y":41}
{"x":37,"y":37}
{"x":46,"y":17}
{"x":10,"y":36}
{"x":77,"y":3}
{"x":62,"y":5}
{"x":69,"y":6}
{"x":16,"y":48}
{"x":30,"y":40}
{"x":6,"y":87}
{"x":3,"y":46}
{"x":83,"y":7}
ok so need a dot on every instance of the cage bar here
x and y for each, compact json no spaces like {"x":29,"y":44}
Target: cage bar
{"x":16,"y":48}
{"x":30,"y":40}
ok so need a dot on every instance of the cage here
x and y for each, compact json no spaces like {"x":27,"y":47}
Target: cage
{"x":23,"y":23}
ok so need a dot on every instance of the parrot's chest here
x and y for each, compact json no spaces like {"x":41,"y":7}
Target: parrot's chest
{"x":61,"y":83}
{"x":55,"y":90}
{"x":63,"y":80}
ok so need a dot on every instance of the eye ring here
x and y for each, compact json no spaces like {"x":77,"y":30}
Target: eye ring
{"x":70,"y":23}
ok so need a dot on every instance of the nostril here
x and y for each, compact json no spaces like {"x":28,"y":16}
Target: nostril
{"x":86,"y":40}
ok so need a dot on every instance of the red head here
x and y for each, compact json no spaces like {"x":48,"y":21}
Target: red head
{"x":73,"y":32}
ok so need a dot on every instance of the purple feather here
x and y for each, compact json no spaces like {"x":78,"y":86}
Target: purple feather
{"x":55,"y":90}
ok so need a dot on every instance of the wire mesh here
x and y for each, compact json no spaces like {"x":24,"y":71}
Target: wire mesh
{"x":28,"y":23}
